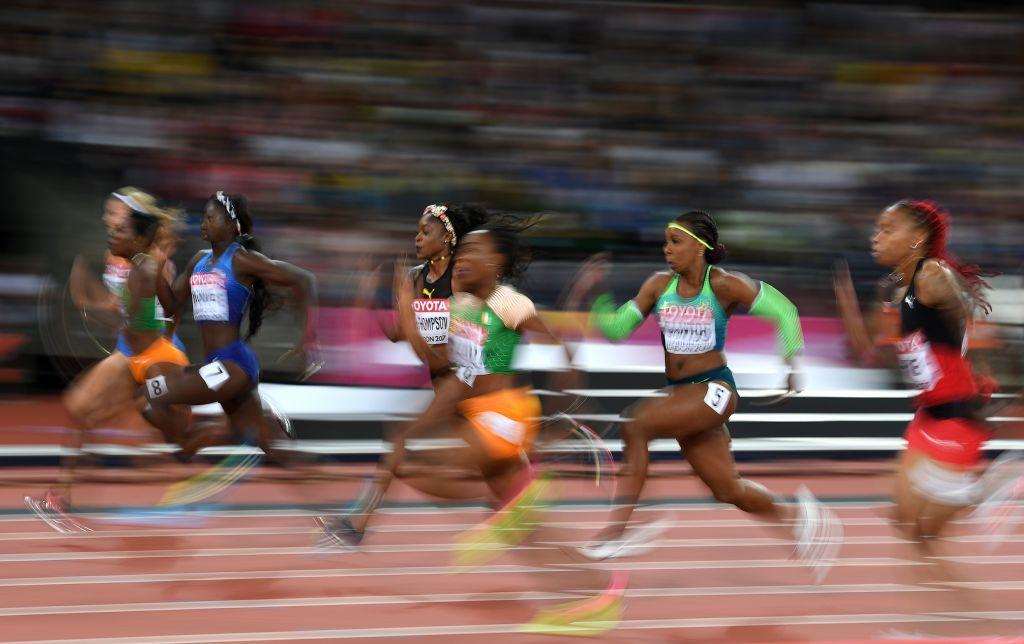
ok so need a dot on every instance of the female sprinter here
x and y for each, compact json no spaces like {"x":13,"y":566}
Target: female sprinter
{"x":936,"y":296}
{"x":144,"y":351}
{"x":693,"y":302}
{"x":348,"y":531}
{"x":438,"y":233}
{"x":224,"y":284}
{"x":495,"y":416}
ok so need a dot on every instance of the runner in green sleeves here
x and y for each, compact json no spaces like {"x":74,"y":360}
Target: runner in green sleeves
{"x":692,"y":303}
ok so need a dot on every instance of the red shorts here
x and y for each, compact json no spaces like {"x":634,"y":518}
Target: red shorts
{"x":957,"y":441}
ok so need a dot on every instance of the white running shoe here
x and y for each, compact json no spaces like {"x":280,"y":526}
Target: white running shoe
{"x":52,"y":509}
{"x":818,"y":534}
{"x":637,"y":541}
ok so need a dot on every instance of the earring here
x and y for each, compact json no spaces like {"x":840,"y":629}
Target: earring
{"x":916,"y":244}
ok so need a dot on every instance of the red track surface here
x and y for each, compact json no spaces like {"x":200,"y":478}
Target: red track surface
{"x":717,"y":577}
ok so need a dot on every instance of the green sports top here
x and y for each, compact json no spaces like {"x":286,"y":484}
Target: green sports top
{"x":149,"y":317}
{"x":484,"y":335}
{"x":693,"y":325}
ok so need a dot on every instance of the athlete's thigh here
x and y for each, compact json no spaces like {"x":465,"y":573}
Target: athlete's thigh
{"x":477,"y":454}
{"x":219,"y":381}
{"x":687,"y":410}
{"x":930,"y":489}
{"x":105,"y":389}
{"x":709,"y":453}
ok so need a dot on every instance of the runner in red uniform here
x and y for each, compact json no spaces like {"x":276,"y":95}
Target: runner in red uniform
{"x":937,"y":296}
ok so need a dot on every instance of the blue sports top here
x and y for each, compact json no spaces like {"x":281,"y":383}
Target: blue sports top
{"x":217,"y":296}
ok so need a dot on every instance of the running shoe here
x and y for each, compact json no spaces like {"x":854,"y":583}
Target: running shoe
{"x":52,"y":509}
{"x":506,"y":528}
{"x":1001,"y":488}
{"x":338,"y":532}
{"x":818,"y":534}
{"x":638,"y":541}
{"x":213,"y":481}
{"x":273,"y":410}
{"x":589,"y":617}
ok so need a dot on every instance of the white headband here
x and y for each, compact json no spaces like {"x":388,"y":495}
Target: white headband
{"x":226,"y":202}
{"x":131,"y":203}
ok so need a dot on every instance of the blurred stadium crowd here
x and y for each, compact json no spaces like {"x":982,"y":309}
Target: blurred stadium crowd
{"x":794,"y":123}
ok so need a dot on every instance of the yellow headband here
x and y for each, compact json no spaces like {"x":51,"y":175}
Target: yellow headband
{"x":676,"y":226}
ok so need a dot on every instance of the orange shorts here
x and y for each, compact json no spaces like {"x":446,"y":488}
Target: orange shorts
{"x":957,"y":441}
{"x":505,"y":420}
{"x":161,"y":350}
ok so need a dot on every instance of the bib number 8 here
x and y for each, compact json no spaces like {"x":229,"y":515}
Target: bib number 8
{"x":156,"y":386}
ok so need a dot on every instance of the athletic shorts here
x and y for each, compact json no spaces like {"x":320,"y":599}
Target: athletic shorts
{"x":239,"y":353}
{"x":723,"y":374}
{"x":505,"y":420}
{"x":956,"y":441}
{"x":162,"y":350}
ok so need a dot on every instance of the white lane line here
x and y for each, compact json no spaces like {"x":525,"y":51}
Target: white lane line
{"x":446,"y":527}
{"x":417,"y":548}
{"x":984,"y":560}
{"x":503,"y":629}
{"x":441,"y":598}
{"x":419,"y":571}
{"x":651,"y":505}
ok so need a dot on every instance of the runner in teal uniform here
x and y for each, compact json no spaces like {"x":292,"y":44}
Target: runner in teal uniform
{"x":693,"y":302}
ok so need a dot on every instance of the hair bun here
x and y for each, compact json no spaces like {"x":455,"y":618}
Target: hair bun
{"x":716,"y":254}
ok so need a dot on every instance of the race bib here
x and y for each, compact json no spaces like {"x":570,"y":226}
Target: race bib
{"x":920,"y":368}
{"x":156,"y":387}
{"x":114,"y":277}
{"x":717,"y":397}
{"x":209,"y":296}
{"x":688,"y":330}
{"x":214,"y":375}
{"x":432,"y":317}
{"x":466,"y":348}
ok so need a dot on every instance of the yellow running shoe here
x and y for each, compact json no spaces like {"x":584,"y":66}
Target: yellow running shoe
{"x":508,"y":527}
{"x":589,"y":617}
{"x":210,"y":482}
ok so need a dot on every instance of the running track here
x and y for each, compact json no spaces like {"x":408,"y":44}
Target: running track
{"x":248,"y":573}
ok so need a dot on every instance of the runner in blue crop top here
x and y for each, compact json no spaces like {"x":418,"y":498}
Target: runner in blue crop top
{"x":693,"y":303}
{"x":227,"y":284}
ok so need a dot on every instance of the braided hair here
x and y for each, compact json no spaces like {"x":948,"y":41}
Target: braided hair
{"x":236,"y":208}
{"x":936,"y":221}
{"x":705,"y":228}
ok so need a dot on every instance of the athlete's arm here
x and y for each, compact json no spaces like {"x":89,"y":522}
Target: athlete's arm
{"x":87,"y":292}
{"x":251,"y":265}
{"x":173,"y":295}
{"x":366,"y":300}
{"x":619,"y":323}
{"x":937,"y":287}
{"x":765,"y":301}
{"x":540,"y":331}
{"x":436,"y":358}
{"x":141,"y":284}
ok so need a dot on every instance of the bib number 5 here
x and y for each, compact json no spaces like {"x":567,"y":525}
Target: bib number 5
{"x":718,"y":397}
